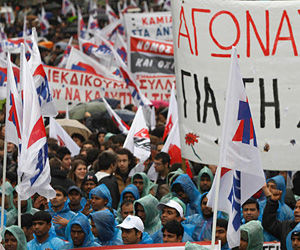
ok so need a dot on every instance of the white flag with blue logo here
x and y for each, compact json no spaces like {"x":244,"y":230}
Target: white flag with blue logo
{"x":242,"y":174}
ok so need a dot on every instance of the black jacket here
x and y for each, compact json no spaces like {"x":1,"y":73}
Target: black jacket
{"x":59,"y":178}
{"x":112,"y":185}
{"x":278,"y":229}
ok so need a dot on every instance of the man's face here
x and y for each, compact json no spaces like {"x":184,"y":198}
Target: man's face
{"x":126,"y":210}
{"x":40,"y":228}
{"x":140,"y":212}
{"x":59,"y":199}
{"x":15,"y":201}
{"x":94,"y":229}
{"x":88,"y":186}
{"x":297,"y":212}
{"x":130,"y":236}
{"x":123,"y":163}
{"x":128,"y":196}
{"x":159,"y":166}
{"x":221,"y":235}
{"x":205,"y":183}
{"x":66,"y":162}
{"x":296,"y":241}
{"x":272,"y":186}
{"x":98,"y":203}
{"x":183,"y":196}
{"x":77,"y":235}
{"x":139,"y":183}
{"x":169,"y":214}
{"x":11,"y":242}
{"x":250,"y":212}
{"x":207,"y":211}
{"x":87,"y":146}
{"x":170,"y":237}
{"x":74,"y":197}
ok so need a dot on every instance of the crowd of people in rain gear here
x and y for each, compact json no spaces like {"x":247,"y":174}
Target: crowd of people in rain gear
{"x":104,"y":197}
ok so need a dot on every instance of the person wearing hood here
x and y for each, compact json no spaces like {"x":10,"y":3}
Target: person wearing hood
{"x":60,"y":211}
{"x":130,"y":193}
{"x":205,"y":180}
{"x":44,"y":235}
{"x":79,"y":233}
{"x":284,"y":212}
{"x":133,"y":231}
{"x":8,"y":205}
{"x":203,"y":221}
{"x":14,"y":239}
{"x":26,"y":208}
{"x":173,"y":210}
{"x":221,"y":233}
{"x":251,"y":236}
{"x":100,"y":198}
{"x":185,"y":190}
{"x":104,"y":228}
{"x":142,"y":182}
{"x":146,"y":209}
{"x":270,"y":222}
{"x":293,"y":239}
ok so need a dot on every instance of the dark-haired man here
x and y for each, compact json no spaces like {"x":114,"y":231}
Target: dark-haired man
{"x":41,"y":222}
{"x":172,"y":232}
{"x":161,"y":165}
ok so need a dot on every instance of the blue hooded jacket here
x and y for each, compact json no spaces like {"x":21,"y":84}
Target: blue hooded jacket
{"x":288,"y":237}
{"x":108,"y":234}
{"x":284,"y":212}
{"x":89,"y":239}
{"x":52,"y":242}
{"x":193,"y":206}
{"x":103,"y":192}
{"x":66,"y":213}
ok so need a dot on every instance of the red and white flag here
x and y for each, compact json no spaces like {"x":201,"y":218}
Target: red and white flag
{"x":112,"y":16}
{"x":13,"y":123}
{"x":92,"y":24}
{"x":68,"y":6}
{"x":81,"y":28}
{"x":44,"y":22}
{"x":57,"y":132}
{"x":172,"y":117}
{"x":9,"y":15}
{"x":241,"y":174}
{"x":33,"y":168}
{"x":138,"y":140}
{"x":65,"y":57}
{"x":121,"y":125}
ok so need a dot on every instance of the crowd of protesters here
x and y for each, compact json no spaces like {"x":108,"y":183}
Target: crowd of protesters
{"x":105,"y":197}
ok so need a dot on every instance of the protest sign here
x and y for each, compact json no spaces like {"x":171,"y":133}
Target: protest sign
{"x":151,"y":56}
{"x":78,"y":86}
{"x":156,"y":25}
{"x":267,"y":36}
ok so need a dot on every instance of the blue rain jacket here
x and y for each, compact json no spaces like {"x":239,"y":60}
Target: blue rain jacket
{"x":193,"y":206}
{"x":103,"y":192}
{"x":52,"y":242}
{"x":288,"y":238}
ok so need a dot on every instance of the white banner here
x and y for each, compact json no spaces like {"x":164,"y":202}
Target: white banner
{"x":156,"y":25}
{"x":267,"y":37}
{"x":78,"y":86}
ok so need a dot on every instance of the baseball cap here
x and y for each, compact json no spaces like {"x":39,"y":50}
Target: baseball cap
{"x":172,"y":204}
{"x":90,"y":177}
{"x":132,"y":221}
{"x":74,"y":188}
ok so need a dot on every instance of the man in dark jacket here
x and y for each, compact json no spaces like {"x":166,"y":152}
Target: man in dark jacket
{"x":104,"y":170}
{"x":279,"y":229}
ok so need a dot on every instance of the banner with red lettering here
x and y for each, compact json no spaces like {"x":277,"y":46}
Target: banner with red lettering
{"x":149,"y":56}
{"x":156,"y":25}
{"x":267,"y":37}
{"x":78,"y":86}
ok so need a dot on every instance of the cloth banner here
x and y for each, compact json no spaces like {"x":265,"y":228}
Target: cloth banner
{"x":156,"y":25}
{"x":267,"y":36}
{"x":148,"y":56}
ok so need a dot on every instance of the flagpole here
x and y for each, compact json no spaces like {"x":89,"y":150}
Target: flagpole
{"x":217,"y":180}
{"x":3,"y":185}
{"x":19,"y":204}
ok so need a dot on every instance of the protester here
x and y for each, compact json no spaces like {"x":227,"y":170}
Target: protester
{"x":26,"y":225}
{"x":142,"y":182}
{"x":79,"y":233}
{"x":293,"y":238}
{"x":14,"y":238}
{"x":77,"y":202}
{"x":44,"y":238}
{"x":161,"y":164}
{"x":172,"y":232}
{"x":205,"y":179}
{"x":251,"y":236}
{"x":77,"y":172}
{"x":133,"y":231}
{"x":221,"y":233}
{"x":126,"y":209}
{"x":100,"y":198}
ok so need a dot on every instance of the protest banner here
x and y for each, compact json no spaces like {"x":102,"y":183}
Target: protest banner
{"x":149,"y":56}
{"x":267,"y":36}
{"x":156,"y":25}
{"x":78,"y":86}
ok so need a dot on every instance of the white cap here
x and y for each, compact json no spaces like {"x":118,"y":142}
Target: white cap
{"x":132,"y":221}
{"x":172,"y":204}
